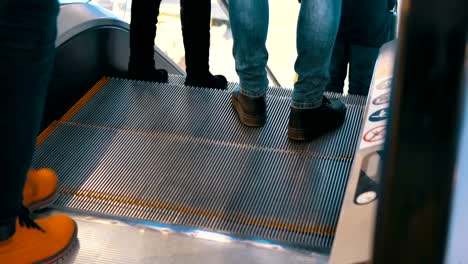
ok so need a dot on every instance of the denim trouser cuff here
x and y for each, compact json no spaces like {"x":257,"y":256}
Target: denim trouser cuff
{"x":250,"y":93}
{"x":302,"y":105}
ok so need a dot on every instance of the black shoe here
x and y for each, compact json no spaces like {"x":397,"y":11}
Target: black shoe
{"x":207,"y":81}
{"x":308,"y":124}
{"x":251,"y":110}
{"x":147,"y":74}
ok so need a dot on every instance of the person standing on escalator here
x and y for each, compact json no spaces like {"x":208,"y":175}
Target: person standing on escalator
{"x":365,"y":26}
{"x":27,"y":46}
{"x":195,"y":19}
{"x":311,"y":113}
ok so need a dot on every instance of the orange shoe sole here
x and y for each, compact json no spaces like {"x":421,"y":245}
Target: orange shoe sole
{"x":44,"y":203}
{"x":65,"y":252}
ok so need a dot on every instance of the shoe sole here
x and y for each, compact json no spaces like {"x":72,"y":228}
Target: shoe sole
{"x":65,"y":252}
{"x":306,"y":135}
{"x":248,"y":120}
{"x":44,"y":203}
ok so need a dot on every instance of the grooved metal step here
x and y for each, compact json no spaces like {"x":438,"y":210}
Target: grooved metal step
{"x":206,"y":113}
{"x":178,"y":155}
{"x":284,"y":92}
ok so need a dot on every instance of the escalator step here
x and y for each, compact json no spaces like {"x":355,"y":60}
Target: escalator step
{"x":178,"y":155}
{"x":206,"y":113}
{"x":283,"y":92}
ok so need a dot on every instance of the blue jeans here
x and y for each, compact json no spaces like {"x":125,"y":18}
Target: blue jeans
{"x":316,"y":32}
{"x":27,"y":46}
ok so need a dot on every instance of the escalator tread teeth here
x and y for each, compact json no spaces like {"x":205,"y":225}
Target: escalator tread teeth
{"x":178,"y":155}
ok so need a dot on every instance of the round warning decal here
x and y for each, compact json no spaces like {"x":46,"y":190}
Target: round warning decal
{"x":382,"y":99}
{"x":367,"y":197}
{"x":375,"y":134}
{"x":385,"y":84}
{"x":379,"y":115}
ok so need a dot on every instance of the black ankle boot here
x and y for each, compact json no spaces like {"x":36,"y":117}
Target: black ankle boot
{"x":207,"y":81}
{"x":146,"y":73}
{"x":308,"y":124}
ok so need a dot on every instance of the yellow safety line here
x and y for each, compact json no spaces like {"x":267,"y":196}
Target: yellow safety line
{"x":198,"y":212}
{"x":72,"y":111}
{"x":84,"y":100}
{"x":40,"y":139}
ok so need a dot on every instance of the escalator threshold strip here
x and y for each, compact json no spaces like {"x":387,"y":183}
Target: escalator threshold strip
{"x":278,"y":225}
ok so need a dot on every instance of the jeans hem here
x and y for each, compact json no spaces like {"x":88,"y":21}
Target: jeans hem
{"x":252,"y":94}
{"x":302,"y":105}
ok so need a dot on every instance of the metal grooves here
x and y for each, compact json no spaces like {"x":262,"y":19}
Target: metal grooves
{"x":246,"y":191}
{"x":283,"y":92}
{"x":178,"y":155}
{"x":208,"y":114}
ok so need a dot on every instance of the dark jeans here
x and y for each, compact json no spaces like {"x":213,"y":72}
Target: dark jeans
{"x":195,"y":20}
{"x":27,"y":36}
{"x":361,"y":61}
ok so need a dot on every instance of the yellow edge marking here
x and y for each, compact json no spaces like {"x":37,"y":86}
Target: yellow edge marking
{"x":72,"y":111}
{"x":40,"y":139}
{"x":198,"y":212}
{"x":84,"y":100}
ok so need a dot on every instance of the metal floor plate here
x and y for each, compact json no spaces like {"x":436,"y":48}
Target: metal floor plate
{"x":178,"y":155}
{"x":107,"y":241}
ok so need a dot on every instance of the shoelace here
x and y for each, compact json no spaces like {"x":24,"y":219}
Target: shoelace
{"x":25,"y":220}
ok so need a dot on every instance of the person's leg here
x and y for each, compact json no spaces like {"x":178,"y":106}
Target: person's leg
{"x":361,"y":67}
{"x":316,"y":33}
{"x":26,"y":60}
{"x":144,"y":17}
{"x":196,"y":19}
{"x":338,"y":66}
{"x":311,"y":113}
{"x":27,"y":45}
{"x":249,"y":22}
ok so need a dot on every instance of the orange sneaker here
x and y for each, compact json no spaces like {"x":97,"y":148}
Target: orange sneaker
{"x":40,"y":189}
{"x":47,"y":240}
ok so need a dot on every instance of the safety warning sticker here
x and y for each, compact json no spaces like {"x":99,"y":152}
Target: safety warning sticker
{"x":382,"y":99}
{"x":385,"y":84}
{"x":375,"y":134}
{"x":379,"y":115}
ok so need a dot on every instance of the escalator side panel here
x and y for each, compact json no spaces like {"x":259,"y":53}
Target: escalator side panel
{"x":78,"y":66}
{"x":354,"y":236}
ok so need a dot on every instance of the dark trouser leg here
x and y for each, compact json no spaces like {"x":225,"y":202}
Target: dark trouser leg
{"x":195,"y":18}
{"x":338,"y":66}
{"x":144,"y":17}
{"x":27,"y":36}
{"x":361,"y":67}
